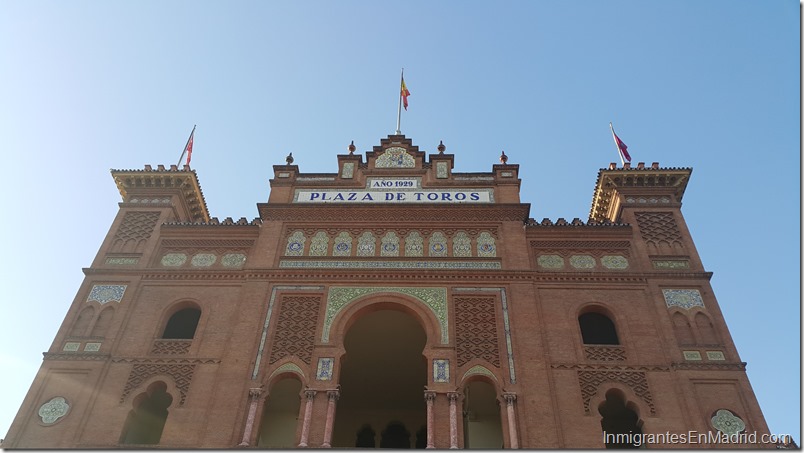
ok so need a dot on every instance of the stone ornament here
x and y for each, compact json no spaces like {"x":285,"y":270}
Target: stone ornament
{"x":692,"y":355}
{"x":550,"y":261}
{"x":414,"y":244}
{"x":203,"y":260}
{"x":53,"y":410}
{"x":71,"y":346}
{"x":366,"y":244}
{"x":461,"y":245}
{"x":319,"y":244}
{"x":614,"y":262}
{"x":671,"y":264}
{"x":92,"y":347}
{"x":343,"y":245}
{"x":295,"y":244}
{"x":122,"y":261}
{"x":174,"y":259}
{"x":390,"y":244}
{"x":438,"y":244}
{"x":348,"y":170}
{"x":441,"y":170}
{"x":486,"y":247}
{"x":395,"y":157}
{"x":727,"y":423}
{"x":684,"y":298}
{"x":106,"y":293}
{"x":715,"y":355}
{"x":582,"y":261}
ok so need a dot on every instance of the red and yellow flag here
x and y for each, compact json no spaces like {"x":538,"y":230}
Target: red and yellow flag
{"x":404,"y":93}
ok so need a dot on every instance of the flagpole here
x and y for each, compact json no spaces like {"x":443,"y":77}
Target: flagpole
{"x":617,"y":145}
{"x":399,"y":109}
{"x":185,"y":147}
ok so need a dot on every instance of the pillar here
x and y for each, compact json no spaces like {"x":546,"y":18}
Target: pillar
{"x":254,"y":398}
{"x":332,"y":398}
{"x":453,"y":419}
{"x":429,"y":398}
{"x":308,"y":412}
{"x":510,"y":398}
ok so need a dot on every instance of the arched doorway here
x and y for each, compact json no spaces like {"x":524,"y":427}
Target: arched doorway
{"x":280,"y":415}
{"x":482,"y":421}
{"x":382,"y":381}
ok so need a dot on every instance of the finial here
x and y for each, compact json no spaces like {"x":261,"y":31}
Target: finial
{"x":352,"y":147}
{"x":503,"y":158}
{"x":289,"y":159}
{"x":441,"y":147}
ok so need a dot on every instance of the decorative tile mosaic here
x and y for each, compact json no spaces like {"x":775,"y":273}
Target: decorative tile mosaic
{"x":414,"y":244}
{"x":295,"y":245}
{"x":692,"y":355}
{"x":486,"y":246}
{"x":376,"y":264}
{"x":582,"y":261}
{"x":390,"y":244}
{"x":715,"y":355}
{"x":461,"y":245}
{"x":366,"y":244}
{"x":283,"y":174}
{"x":92,"y":347}
{"x":324,"y":372}
{"x":441,"y":170}
{"x":174,"y":259}
{"x":684,"y":298}
{"x":506,"y":174}
{"x":671,"y":264}
{"x":550,"y":261}
{"x":319,"y":244}
{"x":203,"y":260}
{"x":343,"y":245}
{"x":233,"y":260}
{"x":348,"y":171}
{"x":53,"y":410}
{"x":71,"y":346}
{"x":728,"y":423}
{"x":395,"y":158}
{"x":122,"y":261}
{"x":433,"y":298}
{"x":106,"y":293}
{"x":438,"y":244}
{"x":614,"y":262}
{"x":440,"y":370}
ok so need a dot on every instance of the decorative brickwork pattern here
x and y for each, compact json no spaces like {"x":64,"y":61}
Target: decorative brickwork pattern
{"x":590,"y":380}
{"x":170,"y":347}
{"x":476,"y":330}
{"x":658,"y":227}
{"x":136,"y":228}
{"x":181,"y":374}
{"x":295,"y":329}
{"x":604,"y":353}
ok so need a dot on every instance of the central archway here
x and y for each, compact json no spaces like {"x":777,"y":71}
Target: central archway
{"x":382,"y":379}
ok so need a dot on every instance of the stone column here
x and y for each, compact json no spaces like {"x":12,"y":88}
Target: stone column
{"x":429,"y":397}
{"x":254,"y":397}
{"x":510,"y":398}
{"x":453,"y":419}
{"x":308,"y":412}
{"x":332,"y":397}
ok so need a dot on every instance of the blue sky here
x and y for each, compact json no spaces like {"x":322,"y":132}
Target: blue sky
{"x":87,"y":86}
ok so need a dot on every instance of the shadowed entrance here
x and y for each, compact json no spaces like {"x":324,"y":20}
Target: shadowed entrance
{"x":382,"y":383}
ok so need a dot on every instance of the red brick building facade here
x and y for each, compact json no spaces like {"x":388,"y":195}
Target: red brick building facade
{"x":397,"y":304}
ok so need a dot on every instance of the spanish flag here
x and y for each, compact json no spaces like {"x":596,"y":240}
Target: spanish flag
{"x":404,"y":93}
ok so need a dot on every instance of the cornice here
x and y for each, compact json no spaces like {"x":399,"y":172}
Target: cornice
{"x":612,"y":179}
{"x":184,"y":180}
{"x":710,"y":366}
{"x":384,"y":213}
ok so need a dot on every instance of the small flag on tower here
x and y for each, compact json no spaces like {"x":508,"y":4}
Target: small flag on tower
{"x":621,"y":146}
{"x":404,"y":93}
{"x":188,"y":148}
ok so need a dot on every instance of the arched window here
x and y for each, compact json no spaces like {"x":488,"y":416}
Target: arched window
{"x":82,"y":323}
{"x":102,"y":324}
{"x":146,"y":421}
{"x":597,"y":328}
{"x":682,"y":328}
{"x":620,"y":423}
{"x":395,"y":435}
{"x":365,"y":437}
{"x":182,"y":325}
{"x":706,"y":330}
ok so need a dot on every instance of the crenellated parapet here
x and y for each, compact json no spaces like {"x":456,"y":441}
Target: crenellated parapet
{"x":641,"y":185}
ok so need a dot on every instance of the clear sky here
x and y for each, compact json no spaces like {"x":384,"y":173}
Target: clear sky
{"x":86,"y":86}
